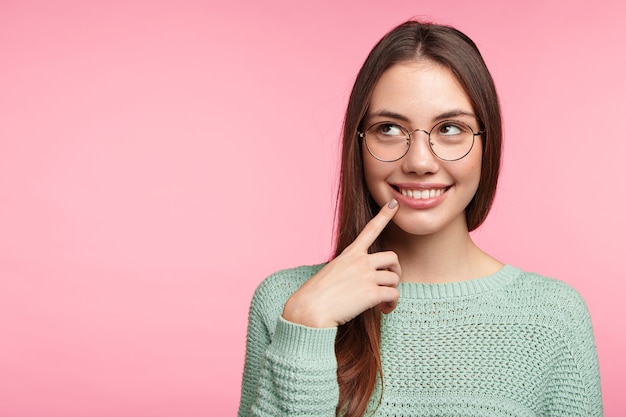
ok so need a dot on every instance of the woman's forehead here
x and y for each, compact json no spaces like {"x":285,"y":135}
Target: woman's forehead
{"x":419,"y":91}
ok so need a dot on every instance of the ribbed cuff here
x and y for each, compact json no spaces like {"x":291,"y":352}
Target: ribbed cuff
{"x":302,"y":342}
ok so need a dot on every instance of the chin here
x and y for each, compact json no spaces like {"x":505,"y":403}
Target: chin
{"x":414,"y":228}
{"x":418,"y":225}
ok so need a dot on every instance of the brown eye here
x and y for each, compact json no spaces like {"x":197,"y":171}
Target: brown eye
{"x":389,"y":129}
{"x":451,"y":129}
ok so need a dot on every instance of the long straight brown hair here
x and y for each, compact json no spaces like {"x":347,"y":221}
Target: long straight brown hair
{"x":357,"y":346}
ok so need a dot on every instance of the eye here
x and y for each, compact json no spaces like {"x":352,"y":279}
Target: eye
{"x":389,"y":129}
{"x":451,"y":129}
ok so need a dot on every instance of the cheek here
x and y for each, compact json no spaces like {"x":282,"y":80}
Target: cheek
{"x":475,"y":162}
{"x":473,"y":173}
{"x":369,"y":171}
{"x":476,"y":178}
{"x":375,"y":173}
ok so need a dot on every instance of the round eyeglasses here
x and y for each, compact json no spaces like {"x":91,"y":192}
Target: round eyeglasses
{"x":449,"y":140}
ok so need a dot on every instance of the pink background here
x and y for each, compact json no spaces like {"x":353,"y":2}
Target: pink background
{"x":158,"y":159}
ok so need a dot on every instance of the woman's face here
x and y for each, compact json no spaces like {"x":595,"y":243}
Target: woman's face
{"x":432,"y":193}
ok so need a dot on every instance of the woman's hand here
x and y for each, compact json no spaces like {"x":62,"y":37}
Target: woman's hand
{"x":351,"y":283}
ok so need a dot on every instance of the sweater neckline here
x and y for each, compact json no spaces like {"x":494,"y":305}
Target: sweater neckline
{"x":475,"y":286}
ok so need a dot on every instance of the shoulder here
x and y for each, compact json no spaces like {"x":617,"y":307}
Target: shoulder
{"x":548,"y":301}
{"x":286,"y":281}
{"x":559,"y":312}
{"x":546,"y":290}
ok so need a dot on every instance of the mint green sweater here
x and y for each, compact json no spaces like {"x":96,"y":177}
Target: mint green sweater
{"x":509,"y":344}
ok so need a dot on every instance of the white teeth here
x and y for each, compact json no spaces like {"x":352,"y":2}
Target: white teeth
{"x":422,"y":194}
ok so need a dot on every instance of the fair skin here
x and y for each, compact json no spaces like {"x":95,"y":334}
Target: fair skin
{"x":429,"y":235}
{"x":428,"y":240}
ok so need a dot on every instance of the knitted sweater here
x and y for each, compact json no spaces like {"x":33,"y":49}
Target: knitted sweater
{"x":509,"y":344}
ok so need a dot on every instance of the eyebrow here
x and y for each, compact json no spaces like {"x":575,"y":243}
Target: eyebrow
{"x":447,"y":115}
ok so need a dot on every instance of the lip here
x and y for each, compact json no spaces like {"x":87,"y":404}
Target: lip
{"x":421,"y":203}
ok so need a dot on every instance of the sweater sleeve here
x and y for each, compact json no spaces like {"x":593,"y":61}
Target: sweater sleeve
{"x":289,"y":369}
{"x":574,"y":387}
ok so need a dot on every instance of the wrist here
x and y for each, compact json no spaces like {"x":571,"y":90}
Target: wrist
{"x":296,"y":313}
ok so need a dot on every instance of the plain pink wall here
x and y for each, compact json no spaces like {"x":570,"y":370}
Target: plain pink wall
{"x":159,"y":158}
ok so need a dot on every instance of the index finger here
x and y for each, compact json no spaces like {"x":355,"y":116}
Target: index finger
{"x":374,"y":227}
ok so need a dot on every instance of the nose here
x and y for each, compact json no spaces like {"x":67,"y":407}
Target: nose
{"x":420,"y":159}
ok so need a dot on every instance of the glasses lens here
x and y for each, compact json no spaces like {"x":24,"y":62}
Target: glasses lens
{"x":451,"y":140}
{"x":387,"y":141}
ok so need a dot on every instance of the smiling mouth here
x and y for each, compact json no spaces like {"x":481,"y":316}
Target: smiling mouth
{"x":421,"y":194}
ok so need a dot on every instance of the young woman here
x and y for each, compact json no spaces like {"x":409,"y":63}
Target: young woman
{"x":460,"y":333}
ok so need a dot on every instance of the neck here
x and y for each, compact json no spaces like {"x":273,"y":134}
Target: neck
{"x":449,"y":255}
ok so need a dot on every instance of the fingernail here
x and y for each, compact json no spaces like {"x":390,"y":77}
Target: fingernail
{"x":393,"y":203}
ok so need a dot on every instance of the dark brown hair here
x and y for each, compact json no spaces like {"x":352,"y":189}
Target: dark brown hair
{"x":357,"y":345}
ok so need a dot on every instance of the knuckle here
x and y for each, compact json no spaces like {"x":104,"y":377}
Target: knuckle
{"x":373,"y":295}
{"x":396,"y":280}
